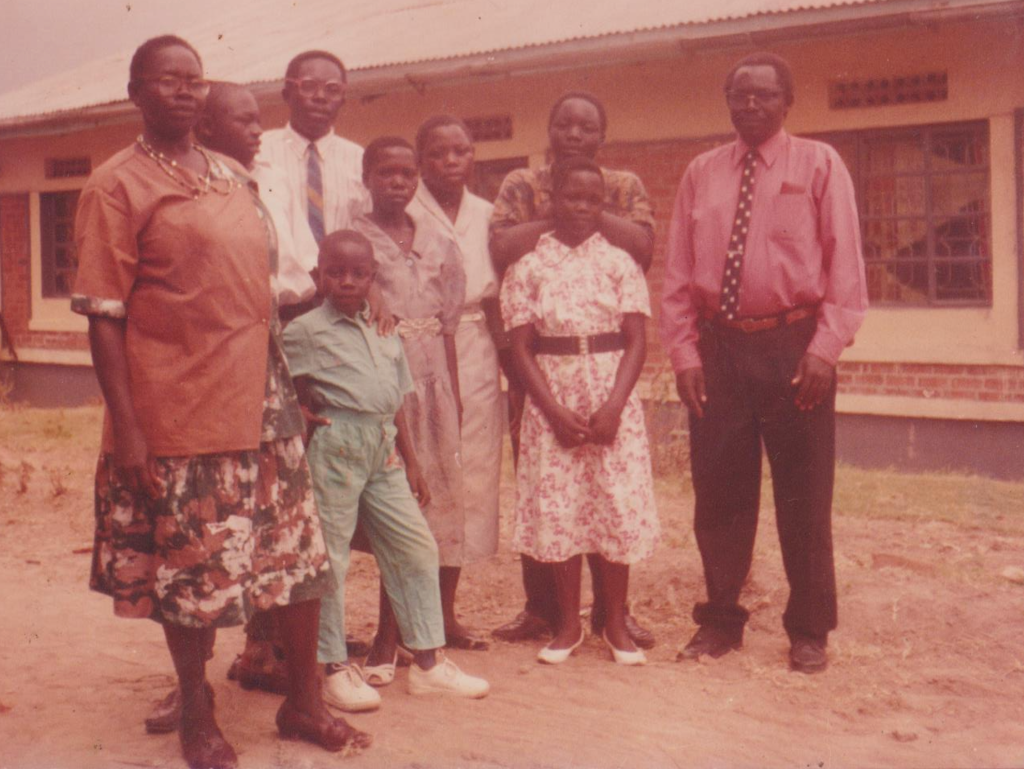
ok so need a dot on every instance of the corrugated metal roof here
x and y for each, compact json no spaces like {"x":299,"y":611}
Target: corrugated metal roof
{"x":251,"y":41}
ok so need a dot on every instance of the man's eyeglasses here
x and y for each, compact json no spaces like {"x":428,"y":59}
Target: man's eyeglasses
{"x":169,"y":85}
{"x":739,"y":99}
{"x":309,"y":86}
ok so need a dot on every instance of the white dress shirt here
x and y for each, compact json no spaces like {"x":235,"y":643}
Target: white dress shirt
{"x":280,"y":170}
{"x":469,"y":231}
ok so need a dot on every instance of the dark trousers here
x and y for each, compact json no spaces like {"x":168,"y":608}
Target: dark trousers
{"x":750,"y":401}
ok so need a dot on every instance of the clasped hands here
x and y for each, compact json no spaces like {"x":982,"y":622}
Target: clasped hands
{"x":573,"y":430}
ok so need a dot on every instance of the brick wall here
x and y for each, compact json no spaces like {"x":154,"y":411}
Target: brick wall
{"x":1003,"y":384}
{"x":15,"y":260}
{"x":661,"y":164}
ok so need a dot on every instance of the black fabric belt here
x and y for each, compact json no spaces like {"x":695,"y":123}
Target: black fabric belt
{"x":579,"y":345}
{"x":763,"y":323}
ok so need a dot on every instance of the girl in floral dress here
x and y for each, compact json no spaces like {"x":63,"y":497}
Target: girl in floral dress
{"x":576,"y":309}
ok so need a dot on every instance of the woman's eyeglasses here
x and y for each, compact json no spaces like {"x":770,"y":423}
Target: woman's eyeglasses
{"x":169,"y":85}
{"x":309,"y":86}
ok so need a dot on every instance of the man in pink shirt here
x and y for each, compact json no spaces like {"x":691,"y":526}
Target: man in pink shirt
{"x":764,"y":287}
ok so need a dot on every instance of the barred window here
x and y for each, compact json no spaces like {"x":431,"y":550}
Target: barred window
{"x":57,"y":224}
{"x":924,"y":199}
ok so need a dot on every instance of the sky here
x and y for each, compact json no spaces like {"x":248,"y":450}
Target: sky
{"x":45,"y":37}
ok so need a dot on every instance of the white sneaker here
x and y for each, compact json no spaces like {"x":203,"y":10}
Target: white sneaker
{"x":345,"y":689}
{"x":446,"y":678}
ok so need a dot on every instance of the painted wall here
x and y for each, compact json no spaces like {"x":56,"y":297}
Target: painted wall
{"x":665,"y":109}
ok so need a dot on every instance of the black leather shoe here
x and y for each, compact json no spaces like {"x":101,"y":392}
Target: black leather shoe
{"x":807,"y":655}
{"x":640,"y":635}
{"x":710,"y":642}
{"x":525,"y":627}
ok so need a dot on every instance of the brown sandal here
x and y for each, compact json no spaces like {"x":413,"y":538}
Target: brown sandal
{"x":327,"y":731}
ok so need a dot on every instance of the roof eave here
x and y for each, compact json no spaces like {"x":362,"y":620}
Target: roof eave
{"x":749,"y":32}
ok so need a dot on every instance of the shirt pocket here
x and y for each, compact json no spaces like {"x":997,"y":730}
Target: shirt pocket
{"x":794,"y":218}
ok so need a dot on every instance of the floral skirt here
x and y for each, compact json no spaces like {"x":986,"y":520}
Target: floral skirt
{"x":232,"y":533}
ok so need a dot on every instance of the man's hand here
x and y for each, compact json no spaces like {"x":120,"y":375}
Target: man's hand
{"x":135,"y":465}
{"x":604,"y":425}
{"x":690,"y":386}
{"x":813,"y":381}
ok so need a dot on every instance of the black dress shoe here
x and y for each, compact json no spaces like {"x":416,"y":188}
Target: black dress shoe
{"x":807,"y":655}
{"x":640,"y":635}
{"x":710,"y":642}
{"x":525,"y":627}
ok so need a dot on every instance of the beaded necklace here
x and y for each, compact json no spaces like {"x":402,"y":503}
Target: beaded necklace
{"x":207,"y":182}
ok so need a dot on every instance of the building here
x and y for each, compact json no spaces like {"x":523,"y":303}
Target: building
{"x":923,"y":98}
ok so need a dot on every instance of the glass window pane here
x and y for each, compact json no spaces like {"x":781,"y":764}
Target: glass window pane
{"x":962,"y":237}
{"x":959,"y":148}
{"x":959,"y":193}
{"x":889,"y":155}
{"x":894,"y":196}
{"x":963,"y":280}
{"x":895,"y":239}
{"x":898,"y":281}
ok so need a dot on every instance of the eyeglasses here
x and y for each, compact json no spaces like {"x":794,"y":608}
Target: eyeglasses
{"x":739,"y":99}
{"x":169,"y":85}
{"x":309,"y":86}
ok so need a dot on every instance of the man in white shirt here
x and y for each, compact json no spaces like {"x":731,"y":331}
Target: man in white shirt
{"x":310,"y":178}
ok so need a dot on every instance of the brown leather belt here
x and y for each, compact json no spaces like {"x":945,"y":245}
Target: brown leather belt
{"x":579,"y":345}
{"x":763,"y":323}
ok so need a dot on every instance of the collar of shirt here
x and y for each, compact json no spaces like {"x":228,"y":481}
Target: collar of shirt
{"x":299,"y":144}
{"x":769,"y":150}
{"x":430,"y":205}
{"x":554,"y":251}
{"x":334,"y":315}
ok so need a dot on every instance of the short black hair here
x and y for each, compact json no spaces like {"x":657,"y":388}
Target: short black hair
{"x":219,"y":89}
{"x":141,"y":56}
{"x":293,"y":66}
{"x":435,"y":122}
{"x":338,"y":237}
{"x":563,"y":167}
{"x":602,"y":116}
{"x":373,"y":151}
{"x":764,"y":59}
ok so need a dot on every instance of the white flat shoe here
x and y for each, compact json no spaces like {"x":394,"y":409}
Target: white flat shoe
{"x":625,"y":658}
{"x":550,"y":656}
{"x":380,"y":675}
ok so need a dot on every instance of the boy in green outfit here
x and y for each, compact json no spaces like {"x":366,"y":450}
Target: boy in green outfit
{"x":353,"y":380}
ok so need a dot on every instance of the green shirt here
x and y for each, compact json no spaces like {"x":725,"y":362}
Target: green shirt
{"x":350,"y":365}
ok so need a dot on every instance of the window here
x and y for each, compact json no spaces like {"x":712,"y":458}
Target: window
{"x":488,"y":175}
{"x":57,"y":222}
{"x":923,"y":195}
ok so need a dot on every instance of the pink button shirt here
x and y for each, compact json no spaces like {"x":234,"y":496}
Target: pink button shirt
{"x":803,"y":246}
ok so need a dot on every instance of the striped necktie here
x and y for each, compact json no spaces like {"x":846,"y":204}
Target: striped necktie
{"x":730,"y":298}
{"x":315,"y":193}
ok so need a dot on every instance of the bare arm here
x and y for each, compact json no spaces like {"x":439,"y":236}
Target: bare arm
{"x":452,"y":359}
{"x":604,"y":423}
{"x":131,"y":453}
{"x":571,"y":429}
{"x":510,"y":244}
{"x":403,"y":442}
{"x":635,"y":239}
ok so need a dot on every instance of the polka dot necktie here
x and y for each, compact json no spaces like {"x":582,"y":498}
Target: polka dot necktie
{"x":315,"y":193}
{"x":730,"y":299}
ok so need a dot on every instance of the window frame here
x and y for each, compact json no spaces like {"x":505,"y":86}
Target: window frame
{"x":48,"y":244}
{"x":924,"y":134}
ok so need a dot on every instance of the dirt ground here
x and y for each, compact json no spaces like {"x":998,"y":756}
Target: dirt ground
{"x":926,"y":667}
